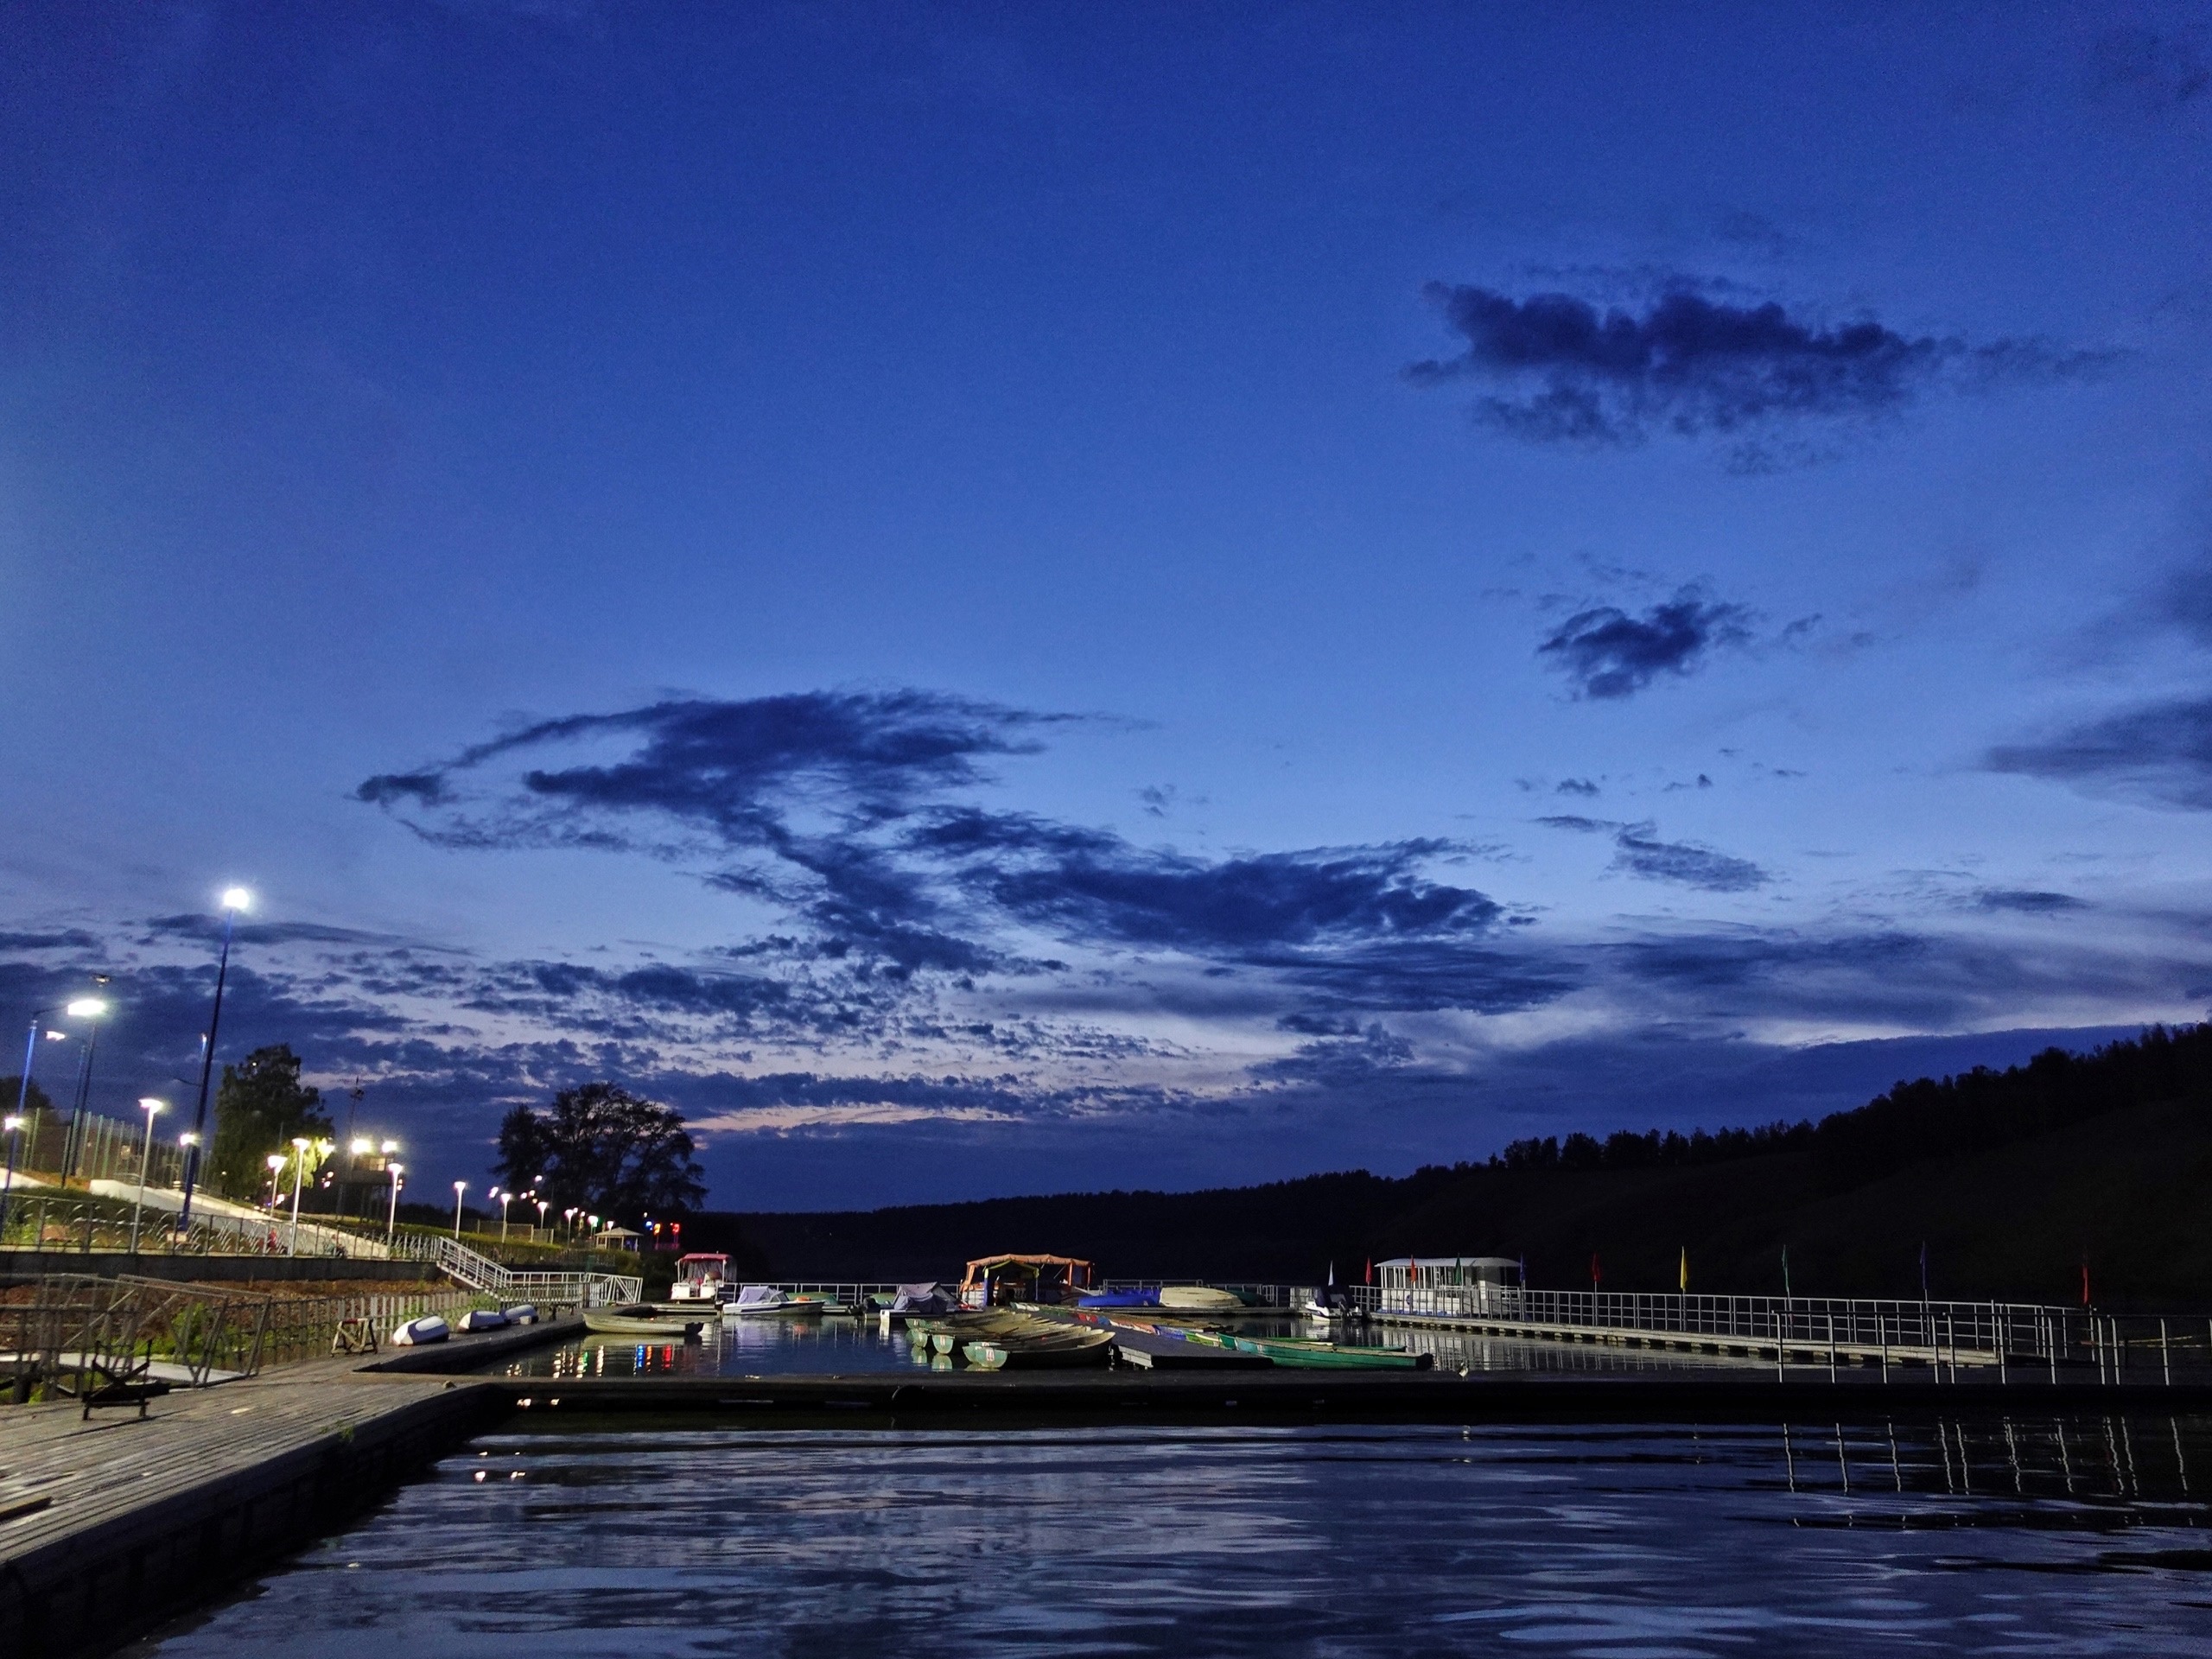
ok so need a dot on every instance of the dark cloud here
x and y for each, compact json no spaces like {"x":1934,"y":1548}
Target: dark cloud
{"x":68,"y":938}
{"x":1638,"y":851}
{"x":189,"y":926}
{"x":1574,"y":786}
{"x":1606,"y":652}
{"x":1690,"y":365}
{"x":2160,"y":752}
{"x":2027,"y":901}
{"x":1101,"y":889}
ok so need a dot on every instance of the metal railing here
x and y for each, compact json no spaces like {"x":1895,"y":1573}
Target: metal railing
{"x":458,"y":1262}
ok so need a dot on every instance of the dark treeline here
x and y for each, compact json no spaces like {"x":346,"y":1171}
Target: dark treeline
{"x":2013,"y":1178}
{"x":1976,"y":1110}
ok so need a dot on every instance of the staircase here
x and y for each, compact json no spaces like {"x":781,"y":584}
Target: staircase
{"x":464,"y":1265}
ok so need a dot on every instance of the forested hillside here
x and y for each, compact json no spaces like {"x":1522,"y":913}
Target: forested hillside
{"x":2013,"y":1180}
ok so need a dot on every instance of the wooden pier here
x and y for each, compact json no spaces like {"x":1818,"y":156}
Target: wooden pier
{"x":109,"y":1523}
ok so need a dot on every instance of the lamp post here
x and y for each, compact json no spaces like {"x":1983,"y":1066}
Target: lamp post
{"x":505,"y":1198}
{"x":23,"y":1088}
{"x":391,"y":1216}
{"x":185,"y":1143}
{"x":300,"y":1146}
{"x":88,"y":1008}
{"x":12,"y":1126}
{"x":356,"y":1149}
{"x":276,"y":1168}
{"x":234,"y":900}
{"x":458,"y":1187}
{"x":151,"y":1107}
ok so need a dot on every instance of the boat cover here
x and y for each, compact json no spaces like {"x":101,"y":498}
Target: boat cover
{"x":429,"y":1328}
{"x":760,"y":1296}
{"x":922,"y":1299}
{"x":1122,"y":1298}
{"x":522,"y":1313}
{"x":482,"y":1319}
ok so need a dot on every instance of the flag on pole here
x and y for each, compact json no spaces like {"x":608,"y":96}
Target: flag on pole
{"x":1686,"y":1266}
{"x":1923,"y":1269}
{"x":1593,"y":1270}
{"x":1370,"y":1272}
{"x":1785,"y":1270}
{"x":2085,"y":1284}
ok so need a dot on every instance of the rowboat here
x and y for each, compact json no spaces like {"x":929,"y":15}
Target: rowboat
{"x":640,"y":1320}
{"x":1332,"y":1355}
{"x":946,"y":1332}
{"x":1023,"y":1351}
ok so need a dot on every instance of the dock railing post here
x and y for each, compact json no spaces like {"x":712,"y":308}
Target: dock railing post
{"x":1882,"y":1329}
{"x":2165,"y":1354}
{"x":1831,"y":1345}
{"x":1997,"y":1341}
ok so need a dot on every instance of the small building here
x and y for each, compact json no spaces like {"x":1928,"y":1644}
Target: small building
{"x":614,"y":1238}
{"x":1451,"y":1285}
{"x":996,"y":1280}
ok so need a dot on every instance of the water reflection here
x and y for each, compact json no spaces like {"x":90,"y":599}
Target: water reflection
{"x":785,"y":1347}
{"x":1989,"y":1535}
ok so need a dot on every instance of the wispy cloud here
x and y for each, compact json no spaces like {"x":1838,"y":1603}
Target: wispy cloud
{"x":1638,"y":851}
{"x":1563,"y":372}
{"x":2158,"y":752}
{"x":1607,"y":653}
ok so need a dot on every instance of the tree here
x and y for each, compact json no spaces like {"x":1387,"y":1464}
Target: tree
{"x":262,"y":1107}
{"x":604,"y":1150}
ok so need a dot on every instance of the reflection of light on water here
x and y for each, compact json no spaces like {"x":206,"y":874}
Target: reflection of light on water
{"x":2083,"y":1535}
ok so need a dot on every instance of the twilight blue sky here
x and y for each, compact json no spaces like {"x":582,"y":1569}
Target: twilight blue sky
{"x":994,"y":598}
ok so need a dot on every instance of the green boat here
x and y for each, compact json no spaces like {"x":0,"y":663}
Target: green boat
{"x":1317,"y":1355}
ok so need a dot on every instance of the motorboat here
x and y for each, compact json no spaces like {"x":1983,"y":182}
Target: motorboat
{"x":640,"y":1319}
{"x":765,"y":1301}
{"x":702,"y":1277}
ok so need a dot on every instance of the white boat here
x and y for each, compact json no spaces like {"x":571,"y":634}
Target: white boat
{"x":483,"y":1319}
{"x":702,"y":1278}
{"x":766,"y":1302}
{"x":413,"y":1334}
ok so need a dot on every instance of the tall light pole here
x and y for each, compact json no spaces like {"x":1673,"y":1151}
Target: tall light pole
{"x":151,"y":1107}
{"x":24,"y":1087}
{"x":234,"y":900}
{"x":12,"y":1126}
{"x":185,"y":1143}
{"x":505,"y":1198}
{"x":356,"y":1149}
{"x":392,"y":1214}
{"x":300,"y":1145}
{"x":276,"y":1169}
{"x":88,"y":1008}
{"x":458,"y":1187}
{"x":543,"y":1204}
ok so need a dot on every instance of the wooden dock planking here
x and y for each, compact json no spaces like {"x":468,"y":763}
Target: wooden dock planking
{"x":108,"y":1525}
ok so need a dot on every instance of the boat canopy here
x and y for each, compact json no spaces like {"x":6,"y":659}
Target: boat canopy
{"x":987,"y":1274}
{"x":701,"y":1263}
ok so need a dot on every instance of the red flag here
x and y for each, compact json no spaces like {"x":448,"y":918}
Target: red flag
{"x":1593,"y":1270}
{"x":1371,"y":1273}
{"x":2085,"y":1284}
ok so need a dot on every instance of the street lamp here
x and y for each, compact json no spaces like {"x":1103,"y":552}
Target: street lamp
{"x":87,"y":1009}
{"x":300,"y":1144}
{"x":505,"y":1198}
{"x":151,"y":1107}
{"x":458,"y":1187}
{"x":234,"y":900}
{"x":391,"y":1216}
{"x":543,"y":1204}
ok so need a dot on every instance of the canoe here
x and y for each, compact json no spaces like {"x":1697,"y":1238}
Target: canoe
{"x":640,"y":1320}
{"x":1060,"y":1349}
{"x":1199,"y":1298}
{"x":946,"y":1332}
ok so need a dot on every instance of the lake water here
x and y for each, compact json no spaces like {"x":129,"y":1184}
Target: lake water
{"x":785,"y":1347}
{"x":1985,"y":1536}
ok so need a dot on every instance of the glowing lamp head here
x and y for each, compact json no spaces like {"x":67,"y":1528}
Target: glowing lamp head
{"x":188,"y":1139}
{"x":275,"y":1160}
{"x":358,"y":1146}
{"x":301,"y":1143}
{"x":87,"y":1007}
{"x":237,"y":899}
{"x":11,"y":1123}
{"x":397,"y":1170}
{"x":150,"y":1105}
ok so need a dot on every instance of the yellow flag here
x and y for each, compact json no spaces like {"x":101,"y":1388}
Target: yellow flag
{"x":1686,"y":1266}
